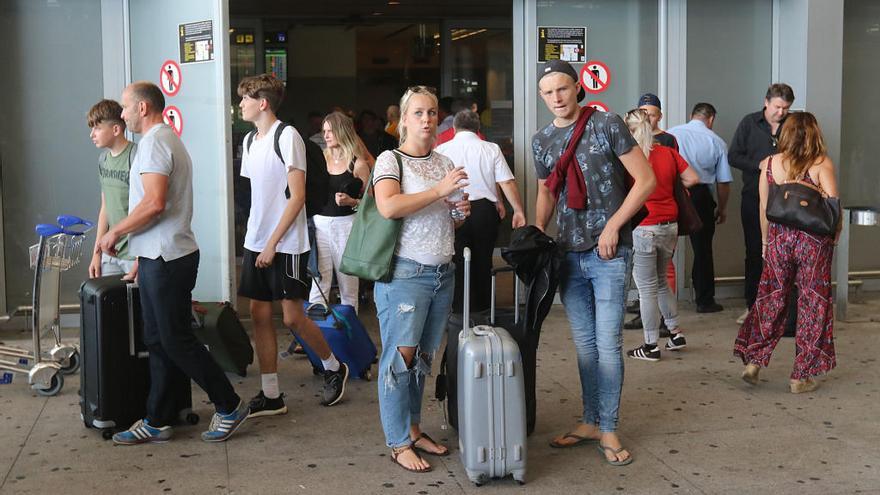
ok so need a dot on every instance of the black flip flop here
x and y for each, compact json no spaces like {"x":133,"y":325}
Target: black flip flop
{"x":426,"y":437}
{"x":579,"y":441}
{"x":395,"y":455}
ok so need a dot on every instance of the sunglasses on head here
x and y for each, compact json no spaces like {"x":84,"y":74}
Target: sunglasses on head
{"x":422,"y":89}
{"x":637,"y":110}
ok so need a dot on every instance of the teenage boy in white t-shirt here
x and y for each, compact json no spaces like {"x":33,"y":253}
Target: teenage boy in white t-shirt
{"x":276,"y":245}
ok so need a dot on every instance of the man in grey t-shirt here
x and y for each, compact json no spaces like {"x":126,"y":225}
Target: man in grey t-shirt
{"x":160,"y":236}
{"x":596,"y":239}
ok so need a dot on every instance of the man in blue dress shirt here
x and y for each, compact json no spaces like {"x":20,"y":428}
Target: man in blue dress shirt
{"x":706,"y":152}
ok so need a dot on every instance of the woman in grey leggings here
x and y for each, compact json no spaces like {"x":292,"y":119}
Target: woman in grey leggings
{"x":655,"y":238}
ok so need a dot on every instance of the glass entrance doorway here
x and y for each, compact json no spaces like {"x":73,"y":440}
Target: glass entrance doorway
{"x":359,"y":57}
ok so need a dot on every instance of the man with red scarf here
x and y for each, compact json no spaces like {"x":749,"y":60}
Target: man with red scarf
{"x":593,"y":174}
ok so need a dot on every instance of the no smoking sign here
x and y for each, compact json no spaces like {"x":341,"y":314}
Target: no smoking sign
{"x":170,"y":77}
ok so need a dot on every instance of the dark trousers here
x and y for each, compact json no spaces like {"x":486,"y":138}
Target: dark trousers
{"x":479,"y":233}
{"x":703,"y":273}
{"x":175,"y":354}
{"x":751,"y":224}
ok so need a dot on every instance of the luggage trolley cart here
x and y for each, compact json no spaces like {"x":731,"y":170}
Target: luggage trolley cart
{"x":60,"y":248}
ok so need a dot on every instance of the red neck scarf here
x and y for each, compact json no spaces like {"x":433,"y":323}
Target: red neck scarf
{"x":567,"y":170}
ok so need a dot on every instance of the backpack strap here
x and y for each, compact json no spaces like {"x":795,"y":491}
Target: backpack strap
{"x":278,"y":131}
{"x":249,"y":140}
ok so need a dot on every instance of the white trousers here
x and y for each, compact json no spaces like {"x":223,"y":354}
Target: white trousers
{"x":331,"y":234}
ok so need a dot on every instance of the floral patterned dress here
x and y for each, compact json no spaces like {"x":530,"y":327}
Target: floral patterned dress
{"x":793,"y":257}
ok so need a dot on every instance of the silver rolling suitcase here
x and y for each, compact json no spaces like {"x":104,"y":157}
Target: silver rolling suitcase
{"x":491,"y":399}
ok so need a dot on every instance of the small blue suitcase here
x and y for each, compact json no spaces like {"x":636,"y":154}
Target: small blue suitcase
{"x":346,"y":336}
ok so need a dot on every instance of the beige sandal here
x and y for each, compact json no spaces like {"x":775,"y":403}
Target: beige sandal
{"x":750,"y":374}
{"x":802,"y":386}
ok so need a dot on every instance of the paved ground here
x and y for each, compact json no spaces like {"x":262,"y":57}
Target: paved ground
{"x":691,"y":423}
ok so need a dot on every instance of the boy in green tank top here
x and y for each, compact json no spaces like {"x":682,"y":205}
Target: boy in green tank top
{"x":108,"y":133}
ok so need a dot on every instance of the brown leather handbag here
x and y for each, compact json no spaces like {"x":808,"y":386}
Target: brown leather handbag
{"x":688,"y":219}
{"x":803,"y":206}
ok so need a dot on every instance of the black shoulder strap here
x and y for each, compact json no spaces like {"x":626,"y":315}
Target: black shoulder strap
{"x":399,"y":166}
{"x":278,"y":131}
{"x":249,"y":140}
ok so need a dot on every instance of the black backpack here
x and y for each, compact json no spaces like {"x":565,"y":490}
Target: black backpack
{"x":317,"y":177}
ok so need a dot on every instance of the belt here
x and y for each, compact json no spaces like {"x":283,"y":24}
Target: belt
{"x":667,"y":222}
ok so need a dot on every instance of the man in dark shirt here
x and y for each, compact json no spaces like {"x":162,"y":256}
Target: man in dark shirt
{"x":595,"y":239}
{"x":372,"y":133}
{"x":754,"y":140}
{"x":650,"y":103}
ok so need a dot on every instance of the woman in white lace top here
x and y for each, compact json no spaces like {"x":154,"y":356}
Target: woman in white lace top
{"x":412,"y":183}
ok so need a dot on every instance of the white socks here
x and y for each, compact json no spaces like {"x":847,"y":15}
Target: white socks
{"x":270,"y":380}
{"x":270,"y":385}
{"x":331,"y":363}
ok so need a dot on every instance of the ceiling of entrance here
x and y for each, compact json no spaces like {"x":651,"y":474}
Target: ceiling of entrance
{"x":368,"y":11}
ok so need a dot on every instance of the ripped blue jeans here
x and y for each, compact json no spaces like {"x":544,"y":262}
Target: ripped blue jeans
{"x":413,"y":309}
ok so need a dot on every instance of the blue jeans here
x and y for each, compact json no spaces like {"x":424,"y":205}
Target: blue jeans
{"x":413,"y":309}
{"x":593,"y":291}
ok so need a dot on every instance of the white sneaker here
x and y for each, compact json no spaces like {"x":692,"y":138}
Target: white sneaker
{"x":742,"y":317}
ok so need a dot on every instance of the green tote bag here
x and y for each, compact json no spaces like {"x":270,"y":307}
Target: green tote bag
{"x":370,"y":246}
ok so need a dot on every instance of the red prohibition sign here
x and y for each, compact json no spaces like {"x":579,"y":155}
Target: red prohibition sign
{"x":170,"y":77}
{"x":595,"y":77}
{"x":172,"y":116}
{"x":598,"y":105}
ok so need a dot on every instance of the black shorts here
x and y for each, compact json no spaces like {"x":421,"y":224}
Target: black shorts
{"x":286,"y":278}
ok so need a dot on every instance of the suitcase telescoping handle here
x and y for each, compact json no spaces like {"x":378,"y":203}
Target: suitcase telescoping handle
{"x":466,"y":330}
{"x":466,"y":299}
{"x":129,"y":292}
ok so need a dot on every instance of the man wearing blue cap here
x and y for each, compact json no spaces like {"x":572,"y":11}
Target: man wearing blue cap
{"x":650,"y":103}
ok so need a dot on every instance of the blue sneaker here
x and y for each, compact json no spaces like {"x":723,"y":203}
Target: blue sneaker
{"x":224,"y":425}
{"x":142,"y":432}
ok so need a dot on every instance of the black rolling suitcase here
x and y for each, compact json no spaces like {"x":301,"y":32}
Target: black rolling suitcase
{"x":115,"y":373}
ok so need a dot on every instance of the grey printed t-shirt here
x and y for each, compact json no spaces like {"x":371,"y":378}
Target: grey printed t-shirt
{"x":170,"y":235}
{"x":605,"y":138}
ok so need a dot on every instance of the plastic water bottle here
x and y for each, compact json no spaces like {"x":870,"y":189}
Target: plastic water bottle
{"x":455,"y":197}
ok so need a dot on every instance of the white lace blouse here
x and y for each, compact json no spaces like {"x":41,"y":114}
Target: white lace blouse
{"x":428,"y":235}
